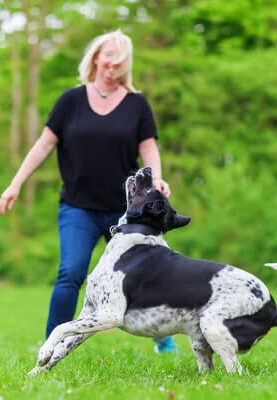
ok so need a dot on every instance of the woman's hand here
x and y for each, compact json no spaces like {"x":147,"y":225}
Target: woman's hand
{"x":8,"y":198}
{"x":150,"y":156}
{"x":43,"y":147}
{"x":162,"y":186}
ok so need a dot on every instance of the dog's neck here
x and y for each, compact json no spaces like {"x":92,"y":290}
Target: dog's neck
{"x":134,"y":228}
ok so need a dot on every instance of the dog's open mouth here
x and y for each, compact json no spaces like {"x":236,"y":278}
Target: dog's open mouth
{"x":135,"y":184}
{"x":131,"y":186}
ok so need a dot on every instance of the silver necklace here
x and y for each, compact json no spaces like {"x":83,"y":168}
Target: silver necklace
{"x":104,"y":95}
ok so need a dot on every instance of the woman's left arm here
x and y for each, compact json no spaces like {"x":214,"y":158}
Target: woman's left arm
{"x":150,"y":157}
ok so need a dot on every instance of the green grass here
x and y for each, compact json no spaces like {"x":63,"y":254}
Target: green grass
{"x":115,"y":365}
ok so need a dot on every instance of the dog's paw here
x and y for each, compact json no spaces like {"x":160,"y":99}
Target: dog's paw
{"x":44,"y":356}
{"x":38,"y":370}
{"x":34,"y":371}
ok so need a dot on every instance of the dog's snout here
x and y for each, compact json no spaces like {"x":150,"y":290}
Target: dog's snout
{"x":147,"y":170}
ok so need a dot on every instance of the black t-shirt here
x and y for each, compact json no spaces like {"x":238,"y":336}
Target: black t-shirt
{"x":96,"y":153}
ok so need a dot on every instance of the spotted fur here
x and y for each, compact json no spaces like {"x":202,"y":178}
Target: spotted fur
{"x":142,"y":286}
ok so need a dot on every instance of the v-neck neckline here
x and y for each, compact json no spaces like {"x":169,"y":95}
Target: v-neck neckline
{"x":95,"y":112}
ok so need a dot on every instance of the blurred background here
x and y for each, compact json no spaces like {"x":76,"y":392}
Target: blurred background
{"x":209,"y":70}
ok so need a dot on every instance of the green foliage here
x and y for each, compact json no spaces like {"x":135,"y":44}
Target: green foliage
{"x":208,"y":69}
{"x":222,"y":26}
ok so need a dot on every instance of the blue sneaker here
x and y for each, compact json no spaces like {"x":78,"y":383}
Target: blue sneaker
{"x":165,"y":345}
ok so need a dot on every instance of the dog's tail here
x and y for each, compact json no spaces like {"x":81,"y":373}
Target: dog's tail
{"x":271,"y":265}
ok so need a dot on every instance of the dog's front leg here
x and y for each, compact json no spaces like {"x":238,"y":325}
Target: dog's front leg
{"x":98,"y":321}
{"x":62,"y":349}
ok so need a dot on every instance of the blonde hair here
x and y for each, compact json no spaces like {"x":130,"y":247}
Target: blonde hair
{"x":87,"y":68}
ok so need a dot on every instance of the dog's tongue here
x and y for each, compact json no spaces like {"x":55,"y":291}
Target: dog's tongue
{"x":132,"y":186}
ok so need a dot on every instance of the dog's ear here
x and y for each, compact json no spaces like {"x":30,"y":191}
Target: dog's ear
{"x":179,"y":221}
{"x":175,"y":221}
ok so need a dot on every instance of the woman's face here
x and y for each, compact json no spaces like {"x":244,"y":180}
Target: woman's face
{"x":105,"y":62}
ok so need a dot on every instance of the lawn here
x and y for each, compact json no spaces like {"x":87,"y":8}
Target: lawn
{"x":115,"y":365}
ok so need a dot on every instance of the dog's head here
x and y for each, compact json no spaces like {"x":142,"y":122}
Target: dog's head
{"x":148,"y":206}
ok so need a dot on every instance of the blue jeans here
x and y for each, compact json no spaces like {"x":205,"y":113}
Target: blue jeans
{"x":79,"y":231}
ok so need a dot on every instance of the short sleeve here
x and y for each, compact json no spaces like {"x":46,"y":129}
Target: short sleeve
{"x":147,"y":126}
{"x":59,"y":114}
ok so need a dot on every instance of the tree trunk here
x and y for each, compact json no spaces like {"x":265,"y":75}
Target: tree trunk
{"x":33,"y":66}
{"x":32,"y":116}
{"x":15,"y":138}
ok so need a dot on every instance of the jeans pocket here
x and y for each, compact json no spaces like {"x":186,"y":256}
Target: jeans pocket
{"x":63,"y":208}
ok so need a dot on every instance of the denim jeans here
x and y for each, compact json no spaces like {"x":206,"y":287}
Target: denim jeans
{"x":79,"y":232}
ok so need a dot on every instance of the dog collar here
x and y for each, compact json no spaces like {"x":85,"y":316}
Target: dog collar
{"x":134,"y":228}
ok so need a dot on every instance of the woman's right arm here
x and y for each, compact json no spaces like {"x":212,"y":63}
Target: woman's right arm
{"x":36,"y":156}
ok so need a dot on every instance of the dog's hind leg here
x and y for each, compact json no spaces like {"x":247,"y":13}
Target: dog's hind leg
{"x":221,"y":342}
{"x":203,"y":353}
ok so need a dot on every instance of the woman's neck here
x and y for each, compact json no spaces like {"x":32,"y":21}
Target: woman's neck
{"x":106,"y":86}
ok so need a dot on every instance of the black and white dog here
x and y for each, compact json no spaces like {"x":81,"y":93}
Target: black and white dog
{"x":142,"y":286}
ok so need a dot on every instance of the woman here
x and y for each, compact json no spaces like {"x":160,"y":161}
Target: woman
{"x":99,"y":129}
